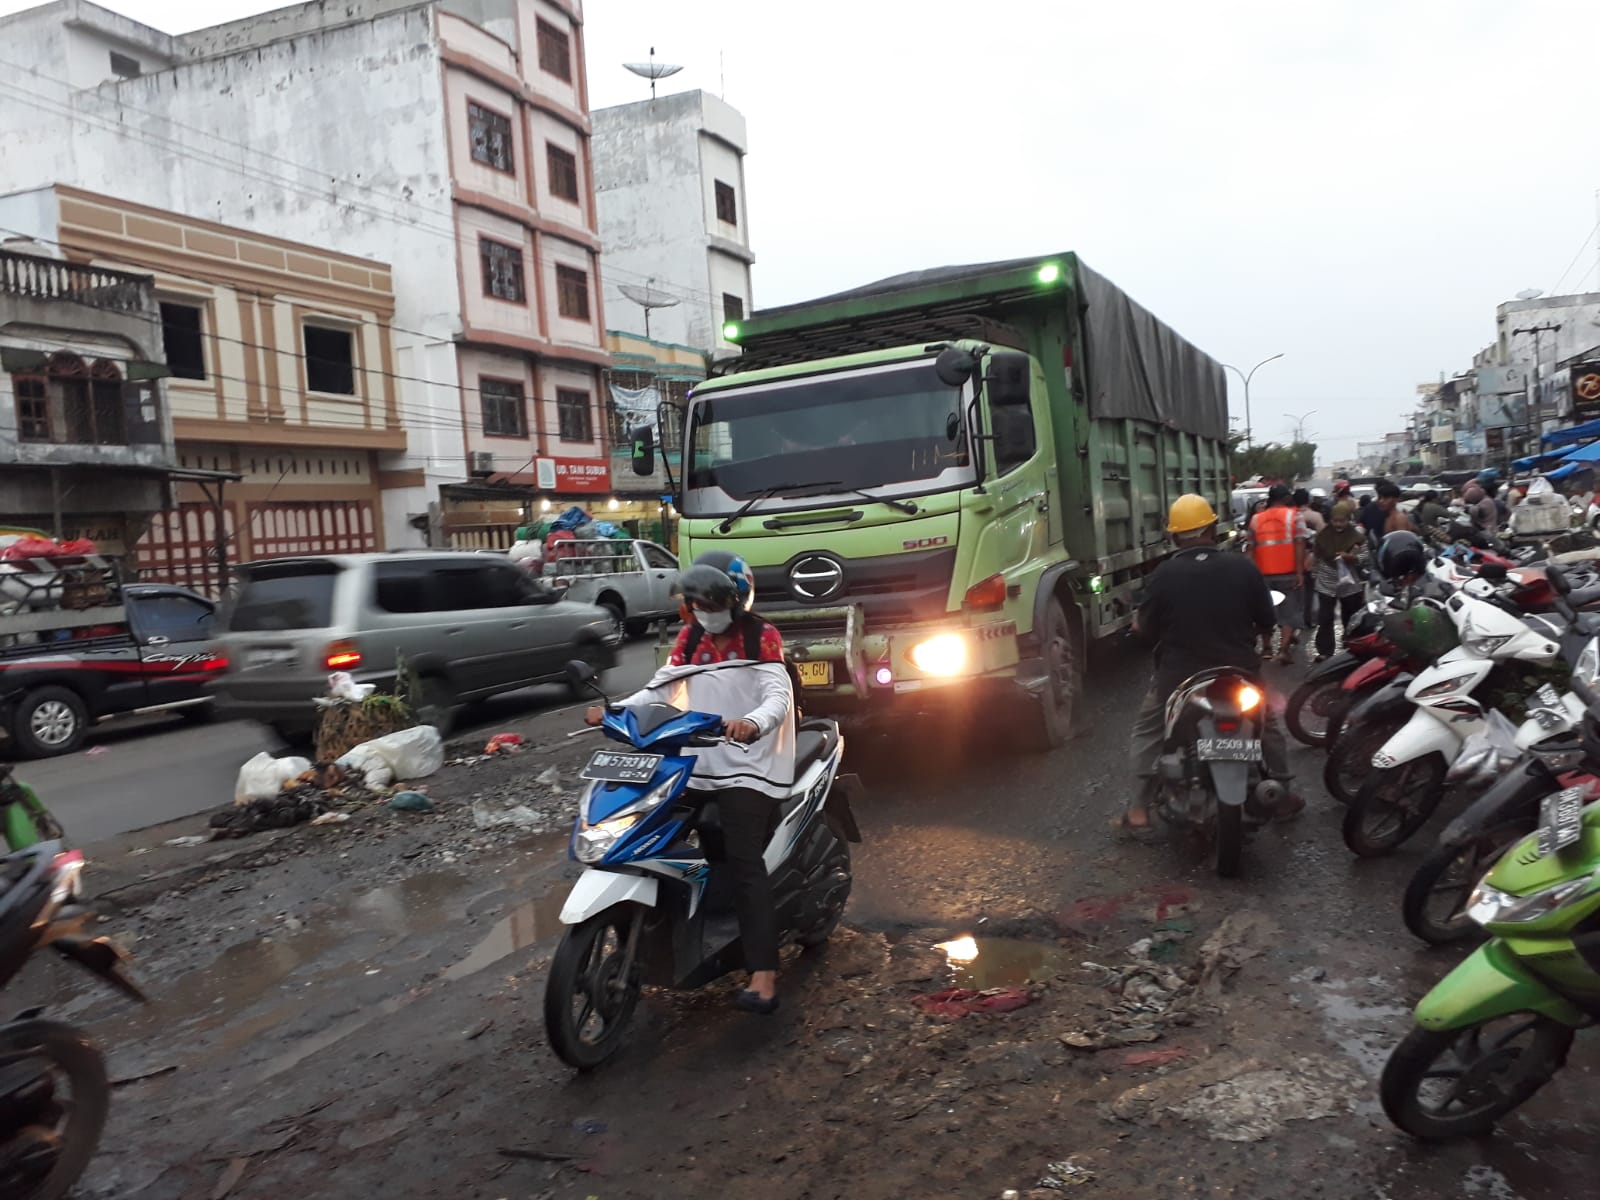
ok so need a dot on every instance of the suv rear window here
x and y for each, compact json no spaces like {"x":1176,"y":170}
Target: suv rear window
{"x":282,"y":598}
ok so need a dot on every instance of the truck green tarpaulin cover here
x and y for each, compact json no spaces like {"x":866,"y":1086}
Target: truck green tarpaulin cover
{"x":1138,"y":367}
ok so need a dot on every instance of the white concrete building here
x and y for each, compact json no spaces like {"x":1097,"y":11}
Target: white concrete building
{"x":669,"y":182}
{"x":449,"y":138}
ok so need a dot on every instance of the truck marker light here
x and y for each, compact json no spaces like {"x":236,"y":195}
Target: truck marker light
{"x":731,"y":331}
{"x":987,"y":596}
{"x":1097,"y":584}
{"x":883,"y":676}
{"x":1049,"y":273}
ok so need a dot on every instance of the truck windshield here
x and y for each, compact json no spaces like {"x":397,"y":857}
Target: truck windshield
{"x":895,"y":431}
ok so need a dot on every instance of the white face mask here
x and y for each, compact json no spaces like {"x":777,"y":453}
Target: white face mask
{"x":714,"y":622}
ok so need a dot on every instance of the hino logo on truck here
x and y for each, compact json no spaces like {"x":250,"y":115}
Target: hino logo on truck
{"x":816,"y":577}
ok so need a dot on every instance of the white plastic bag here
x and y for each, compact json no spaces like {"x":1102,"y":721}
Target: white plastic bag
{"x":1486,"y":754}
{"x":343,"y":686}
{"x":264,"y":776}
{"x":409,"y":754}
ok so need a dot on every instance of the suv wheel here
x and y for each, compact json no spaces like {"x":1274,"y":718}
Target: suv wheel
{"x":50,"y":721}
{"x":438,"y":705}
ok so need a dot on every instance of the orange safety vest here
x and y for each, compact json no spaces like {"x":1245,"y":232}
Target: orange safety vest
{"x":1274,"y":548}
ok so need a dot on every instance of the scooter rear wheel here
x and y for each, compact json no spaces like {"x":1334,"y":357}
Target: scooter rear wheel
{"x":1350,"y":754}
{"x":1230,"y":839}
{"x":835,"y":885}
{"x":587,"y":1003}
{"x":1393,"y":803}
{"x":1458,"y":1083}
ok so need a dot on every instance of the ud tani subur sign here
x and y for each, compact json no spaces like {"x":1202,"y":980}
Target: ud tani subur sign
{"x":573,"y":475}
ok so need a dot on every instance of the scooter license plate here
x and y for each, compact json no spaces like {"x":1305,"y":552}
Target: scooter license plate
{"x":1227,"y":749}
{"x":609,"y":766}
{"x":1560,"y":820}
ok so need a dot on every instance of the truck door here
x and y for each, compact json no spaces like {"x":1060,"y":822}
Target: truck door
{"x":173,"y":632}
{"x":661,"y":569}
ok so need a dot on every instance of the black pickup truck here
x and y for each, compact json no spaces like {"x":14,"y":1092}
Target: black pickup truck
{"x":139,"y":648}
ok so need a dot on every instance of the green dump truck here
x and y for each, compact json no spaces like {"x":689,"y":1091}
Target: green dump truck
{"x":948,"y":482}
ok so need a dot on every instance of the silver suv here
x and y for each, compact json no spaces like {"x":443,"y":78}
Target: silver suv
{"x":471,"y":625}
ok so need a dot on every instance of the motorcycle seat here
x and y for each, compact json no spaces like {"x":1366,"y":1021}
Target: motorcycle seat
{"x":814,"y":741}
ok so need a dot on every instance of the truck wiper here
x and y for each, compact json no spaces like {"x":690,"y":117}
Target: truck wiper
{"x":905,"y":506}
{"x":727,"y":523}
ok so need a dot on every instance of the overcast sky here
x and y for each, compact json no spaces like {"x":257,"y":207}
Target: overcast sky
{"x":1354,"y":184}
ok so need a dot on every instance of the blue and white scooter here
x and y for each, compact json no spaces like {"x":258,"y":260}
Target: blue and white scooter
{"x":655,"y":906}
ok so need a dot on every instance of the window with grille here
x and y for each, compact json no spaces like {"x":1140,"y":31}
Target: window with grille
{"x":502,"y":270}
{"x":330,"y":360}
{"x":572,"y":293}
{"x":490,"y":134}
{"x":33,"y":408}
{"x":183,"y":341}
{"x":555,"y":51}
{"x":563,"y":166}
{"x":732,"y":307}
{"x":727,"y":203}
{"x":573,"y":413}
{"x":503,"y":408}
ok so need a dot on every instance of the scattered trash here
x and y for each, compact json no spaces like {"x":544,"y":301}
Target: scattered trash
{"x":478,"y":1030}
{"x":343,"y":686}
{"x":1059,"y":1176}
{"x":1241,"y":1099}
{"x":1154,"y":1058}
{"x":504,"y":743}
{"x":518,"y":815}
{"x":98,"y":750}
{"x":409,"y":754}
{"x":959,"y":1002}
{"x":550,"y":778}
{"x":1104,"y":1039}
{"x":331,"y":818}
{"x":264,"y":776}
{"x":194,"y":839}
{"x":278,"y":812}
{"x":413,"y":802}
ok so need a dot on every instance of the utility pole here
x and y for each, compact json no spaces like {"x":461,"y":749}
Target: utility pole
{"x":1246,"y":377}
{"x":1300,"y":424}
{"x":1538,"y":373}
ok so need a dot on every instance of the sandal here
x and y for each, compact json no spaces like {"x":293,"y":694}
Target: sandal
{"x":1123,"y":827}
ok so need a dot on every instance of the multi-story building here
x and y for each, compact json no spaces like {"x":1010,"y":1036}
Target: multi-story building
{"x":281,"y":371}
{"x":448,"y":138}
{"x":669,"y":182}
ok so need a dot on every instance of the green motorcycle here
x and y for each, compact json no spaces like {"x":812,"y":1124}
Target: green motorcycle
{"x":1496,"y":1029}
{"x":24,"y":820}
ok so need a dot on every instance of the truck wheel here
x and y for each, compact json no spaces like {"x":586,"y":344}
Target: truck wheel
{"x":619,"y":614}
{"x":1049,"y":721}
{"x":49,"y":721}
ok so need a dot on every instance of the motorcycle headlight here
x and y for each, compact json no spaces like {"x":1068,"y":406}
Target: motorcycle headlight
{"x":1444,"y":687}
{"x":1489,"y":904}
{"x":1482,"y":643}
{"x":594,"y":842}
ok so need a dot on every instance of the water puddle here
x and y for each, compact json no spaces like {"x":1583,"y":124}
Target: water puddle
{"x":526,"y":925}
{"x":1365,"y":1029}
{"x":1000,"y":962}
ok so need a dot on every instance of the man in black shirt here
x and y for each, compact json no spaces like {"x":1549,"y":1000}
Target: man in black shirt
{"x":1203,"y":608}
{"x":1378,"y":517}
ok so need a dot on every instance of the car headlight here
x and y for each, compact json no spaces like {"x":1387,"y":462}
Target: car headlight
{"x":1444,"y":687}
{"x":1489,"y":904}
{"x":594,"y":842}
{"x":944,"y":654}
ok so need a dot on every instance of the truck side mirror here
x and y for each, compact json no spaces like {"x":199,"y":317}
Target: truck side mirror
{"x":644,"y":450}
{"x":1009,"y":379}
{"x":955,"y":366}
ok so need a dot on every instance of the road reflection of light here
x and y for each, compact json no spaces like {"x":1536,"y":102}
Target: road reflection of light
{"x":963,"y":949}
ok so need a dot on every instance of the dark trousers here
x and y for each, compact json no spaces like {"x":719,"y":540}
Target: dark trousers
{"x":748,"y":818}
{"x":1345,"y":606}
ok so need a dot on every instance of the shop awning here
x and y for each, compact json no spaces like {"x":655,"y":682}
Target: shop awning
{"x":1536,"y":460}
{"x":1588,"y":453}
{"x":1577,"y":433}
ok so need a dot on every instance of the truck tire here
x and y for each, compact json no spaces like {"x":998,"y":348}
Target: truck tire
{"x":619,"y":615}
{"x":49,"y":721}
{"x":1048,"y":721}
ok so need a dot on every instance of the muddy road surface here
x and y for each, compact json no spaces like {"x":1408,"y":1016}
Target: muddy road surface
{"x":354,"y":1011}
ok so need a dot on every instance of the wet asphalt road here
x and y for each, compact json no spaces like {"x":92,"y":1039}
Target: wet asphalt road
{"x":388,"y":1039}
{"x":144,"y":771}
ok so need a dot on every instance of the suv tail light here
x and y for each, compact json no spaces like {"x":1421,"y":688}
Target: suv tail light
{"x":342,"y":656}
{"x":988,"y":596}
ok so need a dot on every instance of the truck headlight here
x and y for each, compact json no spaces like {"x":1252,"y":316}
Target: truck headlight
{"x":943,"y":654}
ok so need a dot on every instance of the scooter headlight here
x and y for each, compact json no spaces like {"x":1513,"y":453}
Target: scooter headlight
{"x":1444,"y":687}
{"x":594,"y":842}
{"x":1485,"y":644}
{"x":1489,"y":904}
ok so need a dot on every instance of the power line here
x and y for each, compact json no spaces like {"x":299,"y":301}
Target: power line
{"x":1587,"y":241}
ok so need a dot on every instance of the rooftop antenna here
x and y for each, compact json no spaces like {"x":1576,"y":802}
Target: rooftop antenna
{"x":653,"y":70}
{"x":647,"y":297}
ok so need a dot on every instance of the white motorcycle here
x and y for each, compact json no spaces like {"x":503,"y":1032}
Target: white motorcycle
{"x":1409,"y":771}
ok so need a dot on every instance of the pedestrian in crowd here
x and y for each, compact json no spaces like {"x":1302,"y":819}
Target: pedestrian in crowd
{"x":1429,"y":511}
{"x":1311,"y":524}
{"x":1277,"y":545}
{"x":1339,"y":552}
{"x":1481,"y":518}
{"x":1384,"y":515}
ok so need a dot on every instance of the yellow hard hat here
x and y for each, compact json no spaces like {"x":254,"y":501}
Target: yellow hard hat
{"x":1190,"y":513}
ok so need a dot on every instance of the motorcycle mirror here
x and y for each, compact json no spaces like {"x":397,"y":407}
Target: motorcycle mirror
{"x":1278,"y":598}
{"x":1558,"y":579}
{"x":583,"y":677}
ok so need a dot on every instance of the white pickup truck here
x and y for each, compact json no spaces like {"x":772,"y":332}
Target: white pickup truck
{"x":632,"y":579}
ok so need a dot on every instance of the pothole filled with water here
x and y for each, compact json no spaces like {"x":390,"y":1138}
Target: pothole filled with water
{"x":1001,"y":962}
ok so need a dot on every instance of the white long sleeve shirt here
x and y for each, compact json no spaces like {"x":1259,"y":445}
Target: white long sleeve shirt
{"x":739,"y":689}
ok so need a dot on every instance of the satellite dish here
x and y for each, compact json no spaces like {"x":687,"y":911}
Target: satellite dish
{"x":653,"y":70}
{"x":1529,"y":294}
{"x":647,"y":297}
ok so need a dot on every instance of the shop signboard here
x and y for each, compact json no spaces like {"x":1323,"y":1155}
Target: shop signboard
{"x":563,"y":475}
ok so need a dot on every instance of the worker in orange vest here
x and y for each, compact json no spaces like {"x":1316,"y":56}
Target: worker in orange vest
{"x":1278,"y":545}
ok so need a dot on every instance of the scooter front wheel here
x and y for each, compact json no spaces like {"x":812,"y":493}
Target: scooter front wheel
{"x":1394,"y":803}
{"x":1312,"y":709}
{"x":1458,"y":1083}
{"x":588,"y":1001}
{"x":1435,"y":904}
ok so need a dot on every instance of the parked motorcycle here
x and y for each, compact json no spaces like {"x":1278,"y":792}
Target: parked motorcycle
{"x":1315,"y":707}
{"x":654,"y":905}
{"x":54,"y":1094}
{"x":24,"y":820}
{"x":1211,"y":774}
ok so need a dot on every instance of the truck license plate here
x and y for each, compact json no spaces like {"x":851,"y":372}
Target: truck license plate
{"x":608,"y":766}
{"x":1560,"y":820}
{"x":815,"y":674}
{"x":1227,"y":749}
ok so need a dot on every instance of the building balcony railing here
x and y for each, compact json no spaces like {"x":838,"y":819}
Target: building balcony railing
{"x":34,"y":278}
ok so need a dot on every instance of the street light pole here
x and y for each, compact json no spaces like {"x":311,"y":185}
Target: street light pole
{"x":1246,"y":377}
{"x":1300,"y":423}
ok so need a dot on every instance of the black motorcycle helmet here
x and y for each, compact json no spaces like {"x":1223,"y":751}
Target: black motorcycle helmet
{"x":1401,"y":554}
{"x":708,"y":586}
{"x":736,"y":569}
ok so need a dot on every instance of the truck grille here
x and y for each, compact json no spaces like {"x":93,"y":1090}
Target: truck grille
{"x":888,"y":588}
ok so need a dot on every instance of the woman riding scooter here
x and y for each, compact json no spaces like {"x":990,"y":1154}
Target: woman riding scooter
{"x":750,"y":687}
